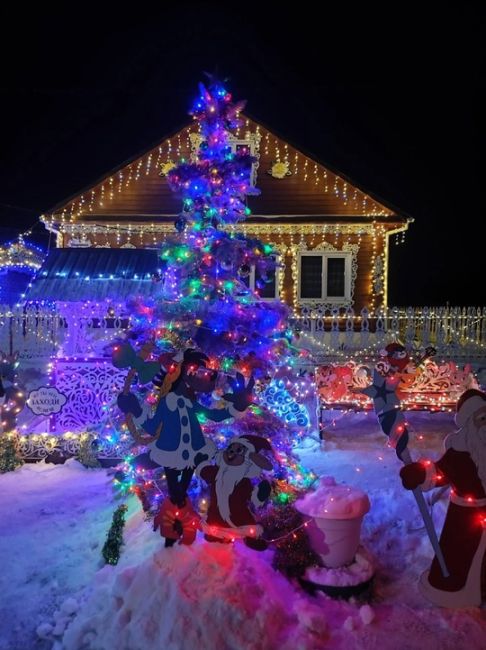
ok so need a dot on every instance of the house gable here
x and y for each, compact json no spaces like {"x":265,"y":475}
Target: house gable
{"x":291,"y":184}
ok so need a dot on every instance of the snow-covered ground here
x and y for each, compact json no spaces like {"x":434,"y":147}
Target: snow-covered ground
{"x":53,"y":521}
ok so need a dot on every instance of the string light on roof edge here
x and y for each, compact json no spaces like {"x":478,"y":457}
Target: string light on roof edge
{"x":21,"y":256}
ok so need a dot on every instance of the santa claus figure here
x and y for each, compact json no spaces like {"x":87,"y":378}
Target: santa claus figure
{"x":463,"y":539}
{"x":231,"y":491}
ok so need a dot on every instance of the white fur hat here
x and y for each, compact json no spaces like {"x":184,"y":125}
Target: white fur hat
{"x":469,"y":402}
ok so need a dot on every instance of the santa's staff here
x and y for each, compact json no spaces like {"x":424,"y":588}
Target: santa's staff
{"x":387,"y":407}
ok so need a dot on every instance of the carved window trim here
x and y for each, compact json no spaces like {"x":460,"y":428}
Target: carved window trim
{"x":326,"y":250}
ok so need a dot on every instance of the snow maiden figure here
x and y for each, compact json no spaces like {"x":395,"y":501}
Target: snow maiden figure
{"x":463,"y":539}
{"x":176,"y":441}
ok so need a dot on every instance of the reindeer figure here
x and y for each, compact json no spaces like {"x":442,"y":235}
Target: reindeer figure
{"x":12,"y":395}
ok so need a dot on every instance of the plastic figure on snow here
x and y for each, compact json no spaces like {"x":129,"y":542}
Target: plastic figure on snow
{"x":386,"y":403}
{"x":463,"y":539}
{"x":229,"y":514}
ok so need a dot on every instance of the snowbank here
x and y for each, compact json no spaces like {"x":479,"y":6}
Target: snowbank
{"x":203,"y":596}
{"x":54,"y":519}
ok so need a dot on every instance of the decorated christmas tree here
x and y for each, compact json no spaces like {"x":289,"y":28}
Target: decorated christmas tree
{"x":206,"y":335}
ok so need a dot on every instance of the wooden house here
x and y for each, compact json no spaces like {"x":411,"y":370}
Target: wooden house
{"x":332,"y":237}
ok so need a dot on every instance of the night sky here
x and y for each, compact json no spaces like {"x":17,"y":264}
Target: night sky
{"x":391,"y":99}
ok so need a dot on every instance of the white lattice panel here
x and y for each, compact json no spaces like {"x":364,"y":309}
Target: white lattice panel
{"x":88,"y":386}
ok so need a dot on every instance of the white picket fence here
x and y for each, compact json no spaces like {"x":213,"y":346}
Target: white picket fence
{"x":455,"y":332}
{"x":37,"y":331}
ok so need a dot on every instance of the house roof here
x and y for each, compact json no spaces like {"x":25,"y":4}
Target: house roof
{"x":138,"y":191}
{"x":77,"y":274}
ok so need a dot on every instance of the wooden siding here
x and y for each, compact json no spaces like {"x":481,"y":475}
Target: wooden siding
{"x":137,"y":191}
{"x":363,"y":292}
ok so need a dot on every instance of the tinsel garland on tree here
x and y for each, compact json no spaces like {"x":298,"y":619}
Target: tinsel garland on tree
{"x":114,"y":539}
{"x":10,"y":457}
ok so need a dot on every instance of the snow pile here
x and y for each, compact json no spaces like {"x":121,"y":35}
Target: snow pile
{"x":331,"y":501}
{"x":62,"y":617}
{"x":359,"y":571}
{"x":54,"y":520}
{"x":203,"y":596}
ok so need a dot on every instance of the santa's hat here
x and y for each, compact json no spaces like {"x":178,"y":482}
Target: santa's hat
{"x":469,"y":402}
{"x":252,"y":443}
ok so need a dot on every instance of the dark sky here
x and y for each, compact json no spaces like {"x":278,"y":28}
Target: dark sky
{"x":390,"y":97}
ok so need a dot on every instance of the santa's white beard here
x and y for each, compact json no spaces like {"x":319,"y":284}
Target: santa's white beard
{"x":227,"y":479}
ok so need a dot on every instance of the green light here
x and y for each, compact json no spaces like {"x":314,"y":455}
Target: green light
{"x":227,"y":364}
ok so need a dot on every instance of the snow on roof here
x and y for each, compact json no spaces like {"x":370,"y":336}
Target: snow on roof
{"x":75,"y":274}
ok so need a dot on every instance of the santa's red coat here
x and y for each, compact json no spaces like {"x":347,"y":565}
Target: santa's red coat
{"x":238,"y":500}
{"x":463,"y":526}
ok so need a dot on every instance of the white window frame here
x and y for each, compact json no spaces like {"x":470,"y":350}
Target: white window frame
{"x":250,"y":140}
{"x":348,"y":260}
{"x":253,"y":150}
{"x":277,"y":280}
{"x":278,"y":270}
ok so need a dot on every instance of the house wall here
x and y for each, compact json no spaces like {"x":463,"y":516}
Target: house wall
{"x":368,"y":249}
{"x":366,"y":242}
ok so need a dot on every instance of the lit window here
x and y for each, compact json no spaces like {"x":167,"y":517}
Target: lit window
{"x":324,"y":276}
